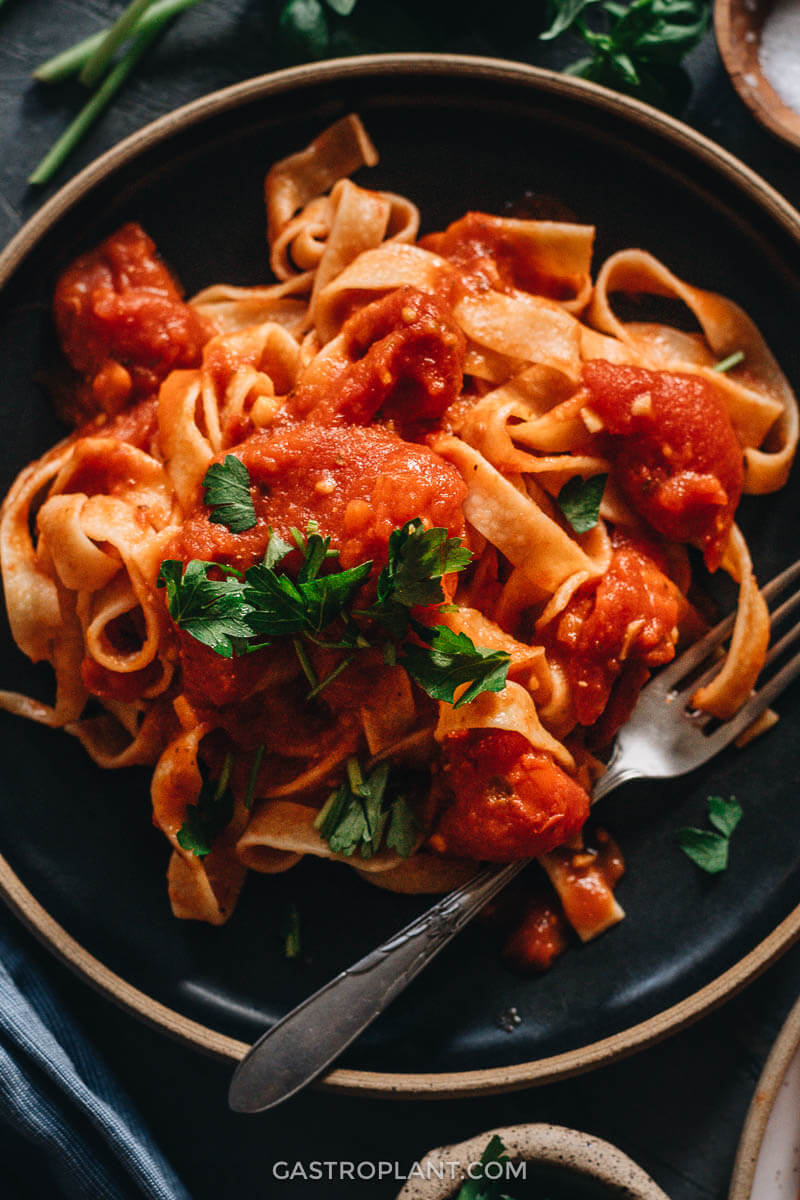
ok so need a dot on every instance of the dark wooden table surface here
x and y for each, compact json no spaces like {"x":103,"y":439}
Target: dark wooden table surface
{"x":677,"y":1108}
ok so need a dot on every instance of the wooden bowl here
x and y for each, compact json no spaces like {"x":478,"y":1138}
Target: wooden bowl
{"x":738,"y":25}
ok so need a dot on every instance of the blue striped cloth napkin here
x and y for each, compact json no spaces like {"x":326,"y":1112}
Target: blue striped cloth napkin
{"x":67,"y":1128}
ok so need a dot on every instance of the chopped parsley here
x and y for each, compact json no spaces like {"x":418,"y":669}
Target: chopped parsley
{"x":709,"y":848}
{"x":358,"y":815}
{"x":727,"y":364}
{"x":580,"y":500}
{"x":226,"y":490}
{"x":211,"y":812}
{"x":282,"y":605}
{"x":290,"y":932}
{"x":316,"y":606}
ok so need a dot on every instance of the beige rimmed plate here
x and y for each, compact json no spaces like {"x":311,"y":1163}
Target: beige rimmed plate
{"x":82,"y":864}
{"x":767,"y":1163}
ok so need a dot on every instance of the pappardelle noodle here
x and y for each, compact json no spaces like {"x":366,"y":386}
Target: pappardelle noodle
{"x":371,"y":562}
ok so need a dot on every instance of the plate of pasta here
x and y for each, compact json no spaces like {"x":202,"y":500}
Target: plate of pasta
{"x":333,"y":561}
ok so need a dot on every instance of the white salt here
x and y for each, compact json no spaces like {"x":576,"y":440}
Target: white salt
{"x":779,"y":53}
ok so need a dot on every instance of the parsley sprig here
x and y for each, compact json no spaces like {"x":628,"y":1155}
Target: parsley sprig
{"x":359,"y":816}
{"x":316,"y":603}
{"x":709,"y":848}
{"x":448,"y":660}
{"x":417,"y":560}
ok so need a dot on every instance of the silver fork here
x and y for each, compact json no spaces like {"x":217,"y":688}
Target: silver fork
{"x":663,"y":738}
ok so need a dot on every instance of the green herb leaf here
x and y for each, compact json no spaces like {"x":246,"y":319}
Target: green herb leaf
{"x":638,"y":47}
{"x":710,"y":849}
{"x":404,"y":827}
{"x":417,"y":560}
{"x":724,"y":814}
{"x":208,"y":816}
{"x":480,"y":1187}
{"x":450,"y":659}
{"x":303,"y":29}
{"x":563,"y":14}
{"x":226,"y":491}
{"x":707,"y":849}
{"x":342,"y":7}
{"x":213,"y":611}
{"x":291,"y":932}
{"x":280,"y":605}
{"x":276,"y":550}
{"x":580,"y":500}
{"x":358,"y":813}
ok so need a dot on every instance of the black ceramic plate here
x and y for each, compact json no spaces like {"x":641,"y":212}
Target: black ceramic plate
{"x":453,"y":134}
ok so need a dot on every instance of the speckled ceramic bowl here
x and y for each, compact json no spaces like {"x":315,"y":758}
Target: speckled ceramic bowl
{"x":563,"y":1164}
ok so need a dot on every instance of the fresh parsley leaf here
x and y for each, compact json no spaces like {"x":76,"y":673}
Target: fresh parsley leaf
{"x":580,"y":500}
{"x":226,"y":490}
{"x":416,"y":561}
{"x":450,"y":659}
{"x":724,"y":814}
{"x":213,"y":611}
{"x":211,"y":812}
{"x":291,"y":932}
{"x":480,"y":1187}
{"x":281,"y":605}
{"x":707,"y":849}
{"x":276,"y":550}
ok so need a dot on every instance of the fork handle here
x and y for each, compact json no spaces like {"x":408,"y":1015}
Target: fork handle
{"x":308,"y":1039}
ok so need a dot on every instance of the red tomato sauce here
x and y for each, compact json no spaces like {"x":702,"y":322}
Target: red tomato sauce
{"x":676,"y":455}
{"x":490,"y":254}
{"x":358,"y":484}
{"x":122,"y":322}
{"x":541,"y":931}
{"x":407,"y":356}
{"x":612,"y":631}
{"x":508,"y":800}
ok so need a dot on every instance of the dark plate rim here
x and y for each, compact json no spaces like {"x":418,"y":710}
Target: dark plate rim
{"x":44,"y":926}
